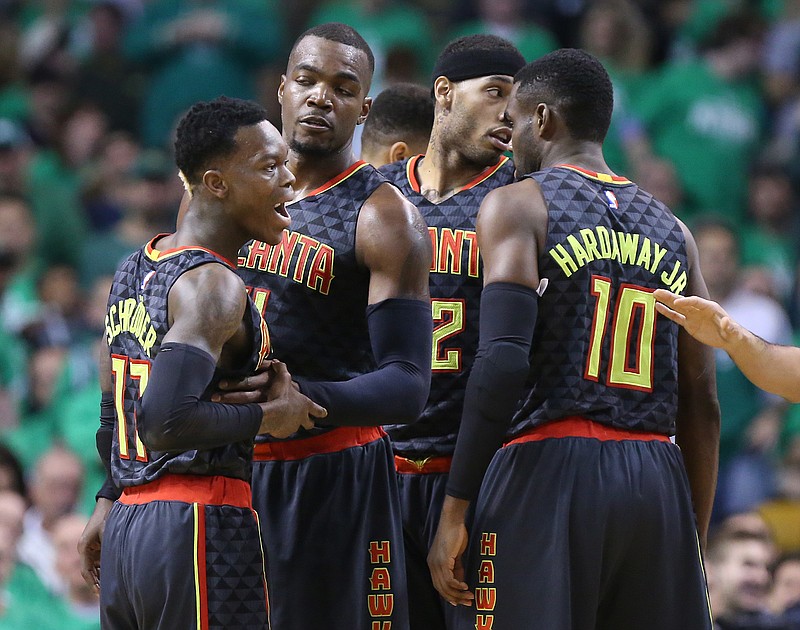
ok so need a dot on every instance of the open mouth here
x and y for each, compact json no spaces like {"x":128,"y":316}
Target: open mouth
{"x":280,"y":208}
{"x":501,"y":138}
{"x":315,"y":122}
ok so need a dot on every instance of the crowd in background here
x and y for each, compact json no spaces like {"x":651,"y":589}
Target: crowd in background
{"x":706,"y":117}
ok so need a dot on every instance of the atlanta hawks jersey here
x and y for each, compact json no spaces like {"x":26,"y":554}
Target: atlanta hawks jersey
{"x":455,"y":285}
{"x":311,"y":288}
{"x":599,"y":349}
{"x":136,"y":322}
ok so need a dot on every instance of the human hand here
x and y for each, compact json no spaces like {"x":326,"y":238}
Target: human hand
{"x":444,"y":558}
{"x":703,"y":319}
{"x":286,"y":409}
{"x":251,"y":389}
{"x":90,"y":542}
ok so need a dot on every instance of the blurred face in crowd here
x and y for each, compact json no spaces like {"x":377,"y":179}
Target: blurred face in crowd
{"x":56,"y":484}
{"x":785,"y":586}
{"x":323,"y":96}
{"x":739,"y":578}
{"x":719,"y":260}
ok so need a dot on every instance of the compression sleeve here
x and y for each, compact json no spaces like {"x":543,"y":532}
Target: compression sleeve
{"x":507,"y":320}
{"x":103,"y":439}
{"x":400,"y":332}
{"x":174,"y":418}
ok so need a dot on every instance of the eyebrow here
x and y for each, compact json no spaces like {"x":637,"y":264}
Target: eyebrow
{"x":502,"y":78}
{"x":342,"y":74}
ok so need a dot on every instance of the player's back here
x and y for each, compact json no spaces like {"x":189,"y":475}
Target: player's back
{"x":136,"y":322}
{"x":455,"y":286}
{"x":599,"y":349}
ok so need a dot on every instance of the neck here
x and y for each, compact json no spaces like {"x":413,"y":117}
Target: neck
{"x":444,"y":170}
{"x":588,"y":155}
{"x":312,"y":170}
{"x":208,"y":228}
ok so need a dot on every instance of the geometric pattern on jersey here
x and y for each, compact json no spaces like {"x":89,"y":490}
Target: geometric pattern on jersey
{"x":154,"y":575}
{"x":234,"y":569}
{"x":566,"y":330}
{"x":455,"y":285}
{"x":317,"y":291}
{"x":137,"y":313}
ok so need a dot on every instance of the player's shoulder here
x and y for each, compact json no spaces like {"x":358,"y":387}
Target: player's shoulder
{"x":212,"y":283}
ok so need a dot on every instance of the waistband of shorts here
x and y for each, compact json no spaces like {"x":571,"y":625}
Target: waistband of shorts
{"x":205,"y":489}
{"x":332,"y":441}
{"x":426,"y":466}
{"x":578,"y":426}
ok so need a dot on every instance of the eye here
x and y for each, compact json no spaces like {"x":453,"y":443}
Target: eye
{"x":495,"y":92}
{"x":344,"y":91}
{"x":303,"y":80}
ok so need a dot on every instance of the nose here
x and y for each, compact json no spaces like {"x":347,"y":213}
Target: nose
{"x":288,"y":178}
{"x":320,"y":97}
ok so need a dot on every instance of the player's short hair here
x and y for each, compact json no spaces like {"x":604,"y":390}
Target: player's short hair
{"x":474,"y":56}
{"x":208,"y":130}
{"x":341,"y":33}
{"x":577,"y":84}
{"x":402,"y":111}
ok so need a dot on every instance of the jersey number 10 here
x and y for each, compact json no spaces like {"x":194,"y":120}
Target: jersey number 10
{"x":630,"y":365}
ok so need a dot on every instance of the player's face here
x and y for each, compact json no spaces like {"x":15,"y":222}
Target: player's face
{"x":259,"y":182}
{"x":477,"y":126}
{"x":323,"y":96}
{"x":525,"y":141}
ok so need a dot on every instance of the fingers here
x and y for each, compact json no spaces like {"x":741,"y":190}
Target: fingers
{"x":316,"y":410}
{"x":238,"y":398}
{"x":667,"y":312}
{"x":664,"y":296}
{"x":453,"y":590}
{"x":254,"y":381}
{"x":308,"y":424}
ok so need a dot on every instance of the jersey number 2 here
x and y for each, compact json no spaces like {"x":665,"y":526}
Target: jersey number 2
{"x":630,"y":365}
{"x":139,"y":371}
{"x":448,"y":319}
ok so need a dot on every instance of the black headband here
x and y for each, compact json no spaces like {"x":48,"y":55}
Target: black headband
{"x":469,"y":64}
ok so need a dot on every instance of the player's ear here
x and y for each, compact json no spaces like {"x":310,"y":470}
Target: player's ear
{"x":215,"y":183}
{"x":281,"y":86}
{"x":443,"y":91}
{"x":398,"y":151}
{"x":366,"y":105}
{"x":545,"y":121}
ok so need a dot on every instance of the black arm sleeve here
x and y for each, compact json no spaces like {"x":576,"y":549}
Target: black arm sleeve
{"x":400,"y":332}
{"x":103,"y":438}
{"x":174,"y":418}
{"x":507,"y":321}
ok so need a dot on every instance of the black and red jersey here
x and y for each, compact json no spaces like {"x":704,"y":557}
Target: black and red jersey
{"x":455,"y":285}
{"x":136,"y":322}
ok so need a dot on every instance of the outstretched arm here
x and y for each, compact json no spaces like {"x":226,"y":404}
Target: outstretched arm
{"x":510,"y":221}
{"x":773,"y":368}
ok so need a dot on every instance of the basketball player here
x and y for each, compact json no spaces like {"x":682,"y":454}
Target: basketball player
{"x":463,"y":162}
{"x":181,"y":545}
{"x":398,"y":125}
{"x":585,"y":518}
{"x":346,"y":292}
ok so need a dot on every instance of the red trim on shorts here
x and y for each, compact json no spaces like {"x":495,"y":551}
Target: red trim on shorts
{"x":578,"y":426}
{"x":427,"y":466}
{"x":203,"y":489}
{"x":329,"y":442}
{"x":202,"y":587}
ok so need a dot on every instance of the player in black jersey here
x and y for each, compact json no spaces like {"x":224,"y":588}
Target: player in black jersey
{"x":181,"y":546}
{"x":585,"y":518}
{"x":399,"y":124}
{"x":464,"y":160}
{"x":346,"y":294}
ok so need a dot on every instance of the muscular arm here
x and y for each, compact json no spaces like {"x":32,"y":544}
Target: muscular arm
{"x":392,"y":242}
{"x":206,"y":306}
{"x":772,"y":367}
{"x":698,"y":420}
